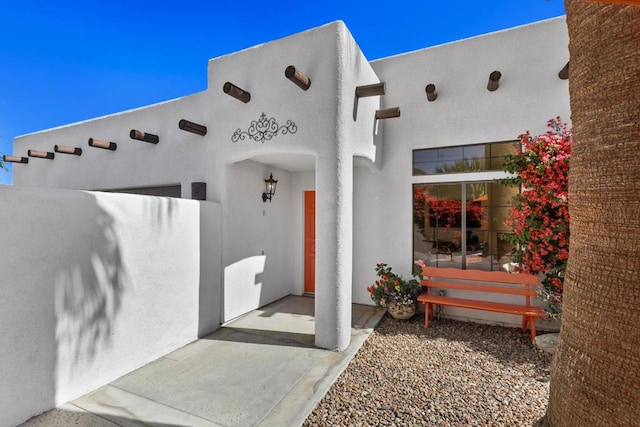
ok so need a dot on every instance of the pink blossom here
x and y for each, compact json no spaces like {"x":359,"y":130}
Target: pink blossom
{"x":540,"y":217}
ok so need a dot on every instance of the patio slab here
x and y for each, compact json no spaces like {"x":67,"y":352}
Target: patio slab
{"x":261,"y":369}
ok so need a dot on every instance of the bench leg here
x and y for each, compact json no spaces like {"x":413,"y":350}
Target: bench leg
{"x":532,"y":324}
{"x":427,"y":314}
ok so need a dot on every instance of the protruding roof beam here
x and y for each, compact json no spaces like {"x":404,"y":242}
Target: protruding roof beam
{"x":40,"y":154}
{"x":234,"y":91}
{"x":371,"y":90}
{"x":298,"y":77}
{"x":107,"y":145}
{"x":564,"y":73}
{"x":192,"y":127}
{"x":67,"y":150}
{"x":494,"y":81}
{"x":388,"y":113}
{"x":143,"y":136}
{"x":430,"y":89}
{"x":15,"y":159}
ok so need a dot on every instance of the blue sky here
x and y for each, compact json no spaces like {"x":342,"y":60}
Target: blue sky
{"x":64,"y":61}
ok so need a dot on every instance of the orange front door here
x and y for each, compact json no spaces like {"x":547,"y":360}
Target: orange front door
{"x":310,"y":241}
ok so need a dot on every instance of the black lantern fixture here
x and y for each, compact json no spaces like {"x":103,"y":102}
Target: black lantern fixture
{"x":270,"y":188}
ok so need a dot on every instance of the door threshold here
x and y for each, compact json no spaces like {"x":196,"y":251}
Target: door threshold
{"x":309,"y":294}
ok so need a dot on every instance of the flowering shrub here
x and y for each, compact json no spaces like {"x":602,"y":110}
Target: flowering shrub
{"x":540,"y":216}
{"x":393,"y":287}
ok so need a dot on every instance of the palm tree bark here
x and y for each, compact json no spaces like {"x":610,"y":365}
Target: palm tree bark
{"x":595,"y":375}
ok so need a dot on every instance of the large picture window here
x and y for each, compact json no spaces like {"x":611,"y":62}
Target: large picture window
{"x":459,"y":225}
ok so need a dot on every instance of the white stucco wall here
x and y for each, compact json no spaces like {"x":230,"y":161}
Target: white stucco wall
{"x":95,"y":285}
{"x":465,"y":112}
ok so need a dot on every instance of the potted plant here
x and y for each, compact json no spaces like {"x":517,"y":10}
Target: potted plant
{"x":396,"y":293}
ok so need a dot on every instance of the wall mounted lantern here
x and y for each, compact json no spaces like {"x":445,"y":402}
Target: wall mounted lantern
{"x":270,"y":188}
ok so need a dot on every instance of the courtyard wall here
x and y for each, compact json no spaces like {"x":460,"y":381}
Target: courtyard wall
{"x":95,"y":285}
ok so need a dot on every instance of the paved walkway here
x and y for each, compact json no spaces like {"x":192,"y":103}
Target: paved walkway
{"x":258,"y":370}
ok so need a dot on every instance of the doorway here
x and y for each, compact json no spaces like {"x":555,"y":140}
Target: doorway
{"x":309,"y":242}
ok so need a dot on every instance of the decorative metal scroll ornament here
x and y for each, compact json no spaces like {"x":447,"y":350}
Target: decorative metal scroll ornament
{"x":264,"y":129}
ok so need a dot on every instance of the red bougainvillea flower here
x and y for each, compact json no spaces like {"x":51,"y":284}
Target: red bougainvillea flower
{"x":540,"y":216}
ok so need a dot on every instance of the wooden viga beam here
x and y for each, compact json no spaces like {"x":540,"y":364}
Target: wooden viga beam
{"x":67,"y":150}
{"x":15,"y":159}
{"x":192,"y":127}
{"x":371,"y":90}
{"x":298,"y":77}
{"x":98,"y":143}
{"x":564,"y":73}
{"x":430,"y":89}
{"x":388,"y":113}
{"x":143,"y":136}
{"x":40,"y":154}
{"x":234,"y":91}
{"x":494,"y":81}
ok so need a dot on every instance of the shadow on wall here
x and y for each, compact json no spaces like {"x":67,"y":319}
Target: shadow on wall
{"x":62,"y":287}
{"x":160,"y":210}
{"x":90,"y":285}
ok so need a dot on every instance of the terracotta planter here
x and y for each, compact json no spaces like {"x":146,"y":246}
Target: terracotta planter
{"x":401,"y":311}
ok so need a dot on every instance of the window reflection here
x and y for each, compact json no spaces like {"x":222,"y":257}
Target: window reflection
{"x":446,"y":235}
{"x":466,"y":158}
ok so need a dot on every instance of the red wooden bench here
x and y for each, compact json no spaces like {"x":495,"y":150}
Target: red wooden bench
{"x":495,"y":282}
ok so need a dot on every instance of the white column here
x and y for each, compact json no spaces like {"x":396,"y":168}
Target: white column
{"x":334,"y":243}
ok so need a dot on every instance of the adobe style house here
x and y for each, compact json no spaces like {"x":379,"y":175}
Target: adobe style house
{"x":371,"y":160}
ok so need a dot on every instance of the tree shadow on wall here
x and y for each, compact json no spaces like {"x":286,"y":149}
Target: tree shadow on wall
{"x":159,"y":210}
{"x":89,"y":290}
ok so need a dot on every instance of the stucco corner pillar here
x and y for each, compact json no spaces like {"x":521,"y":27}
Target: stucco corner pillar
{"x":334,"y":243}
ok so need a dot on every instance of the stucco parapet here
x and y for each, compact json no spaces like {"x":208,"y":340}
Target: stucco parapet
{"x":500,"y":33}
{"x":162,"y":104}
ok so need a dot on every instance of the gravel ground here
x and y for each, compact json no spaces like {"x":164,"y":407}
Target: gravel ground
{"x":452,"y":374}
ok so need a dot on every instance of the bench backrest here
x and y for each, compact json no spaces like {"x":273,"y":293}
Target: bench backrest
{"x":480,"y":281}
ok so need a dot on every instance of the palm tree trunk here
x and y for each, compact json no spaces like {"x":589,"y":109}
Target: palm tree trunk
{"x":595,"y":375}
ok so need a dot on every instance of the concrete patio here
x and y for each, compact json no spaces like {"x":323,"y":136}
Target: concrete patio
{"x":260,"y":369}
